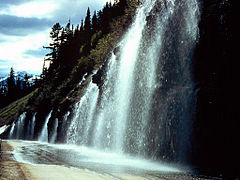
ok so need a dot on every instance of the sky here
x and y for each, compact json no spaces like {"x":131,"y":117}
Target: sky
{"x":25,"y":26}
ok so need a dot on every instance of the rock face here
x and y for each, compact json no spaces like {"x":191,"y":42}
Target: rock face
{"x":216,"y":76}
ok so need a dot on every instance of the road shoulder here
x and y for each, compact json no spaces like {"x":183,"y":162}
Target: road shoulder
{"x":9,"y":168}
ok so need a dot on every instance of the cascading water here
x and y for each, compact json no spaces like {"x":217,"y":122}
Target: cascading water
{"x":11,"y":131}
{"x":83,"y":116}
{"x":17,"y":129}
{"x":54,"y":135}
{"x":145,"y":103}
{"x":44,"y":133}
{"x":144,"y":107}
{"x":30,"y":128}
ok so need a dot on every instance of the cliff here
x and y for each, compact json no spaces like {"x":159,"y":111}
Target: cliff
{"x":216,"y":76}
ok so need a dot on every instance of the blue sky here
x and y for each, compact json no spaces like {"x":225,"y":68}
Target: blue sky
{"x":25,"y":27}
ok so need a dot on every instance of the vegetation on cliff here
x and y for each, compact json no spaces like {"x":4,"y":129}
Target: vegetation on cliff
{"x":74,"y":53}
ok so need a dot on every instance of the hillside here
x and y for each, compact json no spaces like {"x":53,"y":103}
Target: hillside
{"x":16,"y":85}
{"x":10,"y":113}
{"x":60,"y":87}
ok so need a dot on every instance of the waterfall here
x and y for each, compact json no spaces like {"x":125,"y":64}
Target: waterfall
{"x":44,"y":133}
{"x":144,"y":106}
{"x":108,"y":91}
{"x":10,"y":136}
{"x":33,"y":125}
{"x":21,"y":128}
{"x":54,"y":136}
{"x":17,"y":129}
{"x":83,"y":116}
{"x":124,"y":86}
{"x":30,"y":128}
{"x":113,"y":113}
{"x":145,"y":103}
{"x":3,"y":129}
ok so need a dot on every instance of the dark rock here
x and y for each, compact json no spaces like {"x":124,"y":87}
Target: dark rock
{"x":215,"y":150}
{"x":116,"y":50}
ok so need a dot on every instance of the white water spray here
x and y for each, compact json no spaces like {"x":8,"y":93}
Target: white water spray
{"x":44,"y":133}
{"x":83,"y":116}
{"x":17,"y":129}
{"x":30,"y":128}
{"x":54,"y":135}
{"x":143,"y":105}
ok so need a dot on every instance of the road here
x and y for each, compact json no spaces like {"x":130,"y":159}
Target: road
{"x":48,"y":161}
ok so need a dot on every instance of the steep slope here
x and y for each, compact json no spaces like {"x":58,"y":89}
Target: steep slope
{"x":59,"y":90}
{"x":135,"y":94}
{"x":11,"y":112}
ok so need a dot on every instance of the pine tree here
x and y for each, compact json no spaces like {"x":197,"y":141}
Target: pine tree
{"x":18,"y":87}
{"x":99,"y":17}
{"x":54,"y":46}
{"x":87,"y":26}
{"x":122,"y":6}
{"x":106,"y":17}
{"x":87,"y":33}
{"x":25,"y":82}
{"x":82,"y":26}
{"x":94,"y":23}
{"x":87,"y":22}
{"x":67,"y":33}
{"x":12,"y":90}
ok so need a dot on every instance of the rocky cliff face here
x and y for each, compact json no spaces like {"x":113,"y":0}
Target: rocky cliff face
{"x":216,"y":75}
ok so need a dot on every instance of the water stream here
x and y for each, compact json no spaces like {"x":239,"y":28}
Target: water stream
{"x":146,"y":102}
{"x":144,"y":107}
{"x":44,"y":133}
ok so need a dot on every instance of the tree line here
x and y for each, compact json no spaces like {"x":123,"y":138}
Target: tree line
{"x":75,"y":50}
{"x":70,"y":43}
{"x":14,"y":88}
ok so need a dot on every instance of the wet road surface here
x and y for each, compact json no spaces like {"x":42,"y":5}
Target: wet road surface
{"x":95,"y":161}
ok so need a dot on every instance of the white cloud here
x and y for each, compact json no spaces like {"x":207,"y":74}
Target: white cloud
{"x":13,"y":48}
{"x":13,"y":51}
{"x":17,"y":44}
{"x":31,"y":9}
{"x":58,"y":10}
{"x":75,"y":10}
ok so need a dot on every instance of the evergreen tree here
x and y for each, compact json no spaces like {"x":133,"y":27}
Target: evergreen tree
{"x":106,"y":17}
{"x":67,"y":33}
{"x":82,"y":26}
{"x":87,"y":22}
{"x":18,"y":86}
{"x":87,"y":33}
{"x":54,"y":46}
{"x":87,"y":26}
{"x":99,"y":19}
{"x":25,"y":82}
{"x":44,"y":70}
{"x":66,"y":52}
{"x":122,"y":6}
{"x":12,"y":90}
{"x":94,"y":23}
